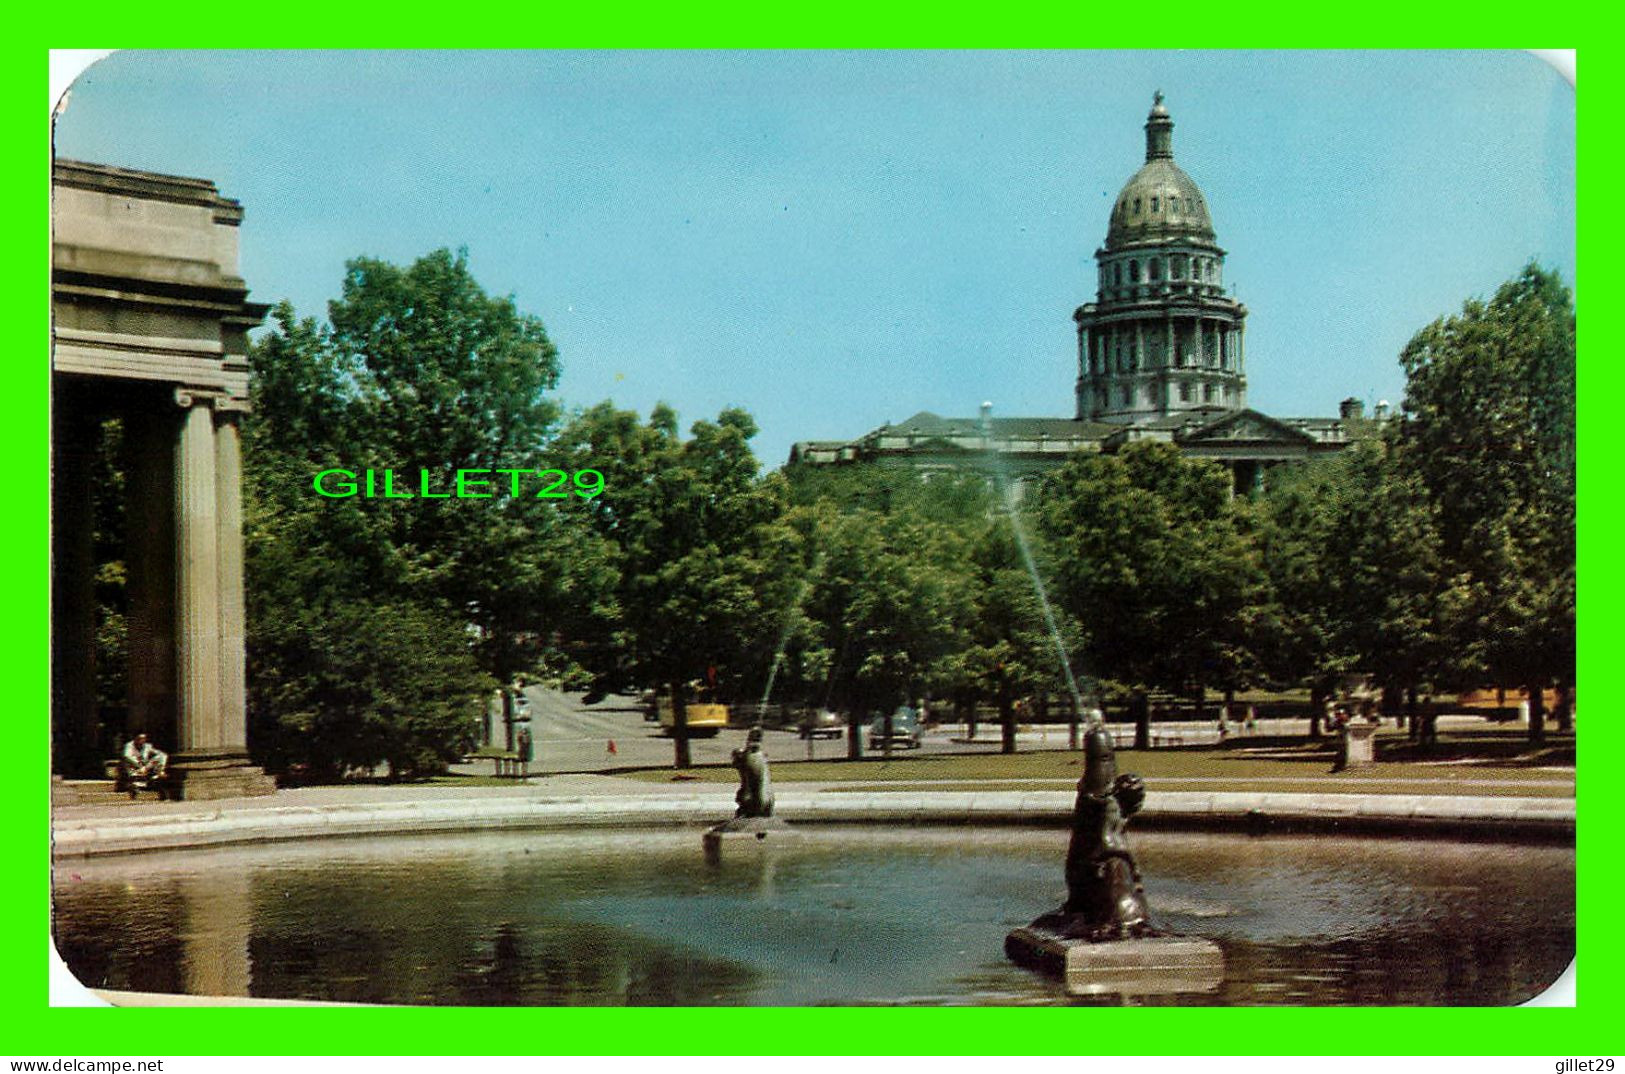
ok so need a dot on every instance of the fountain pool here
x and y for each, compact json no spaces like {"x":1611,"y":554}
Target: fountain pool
{"x":851,"y":915}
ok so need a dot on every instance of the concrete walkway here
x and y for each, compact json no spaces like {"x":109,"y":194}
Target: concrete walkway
{"x":591,"y":801}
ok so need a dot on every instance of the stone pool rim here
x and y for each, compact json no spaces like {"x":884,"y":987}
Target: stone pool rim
{"x":130,"y":830}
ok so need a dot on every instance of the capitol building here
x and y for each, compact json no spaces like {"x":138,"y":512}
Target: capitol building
{"x":1162,"y":355}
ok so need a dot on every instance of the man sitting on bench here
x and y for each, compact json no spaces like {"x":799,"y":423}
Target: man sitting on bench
{"x":142,"y":766}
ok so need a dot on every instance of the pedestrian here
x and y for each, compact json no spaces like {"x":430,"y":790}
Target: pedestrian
{"x":1340,"y":727}
{"x":523,"y":746}
{"x":1251,"y":723}
{"x":612,"y":751}
{"x":142,"y":766}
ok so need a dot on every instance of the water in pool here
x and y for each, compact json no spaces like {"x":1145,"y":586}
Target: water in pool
{"x":853,"y":915}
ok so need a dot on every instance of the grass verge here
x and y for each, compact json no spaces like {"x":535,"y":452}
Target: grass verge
{"x":1174,"y":769}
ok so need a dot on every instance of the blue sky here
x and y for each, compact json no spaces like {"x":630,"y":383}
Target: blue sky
{"x":836,"y":240}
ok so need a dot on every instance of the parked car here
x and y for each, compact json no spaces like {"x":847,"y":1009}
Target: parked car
{"x":821,"y":723}
{"x":904,"y":730}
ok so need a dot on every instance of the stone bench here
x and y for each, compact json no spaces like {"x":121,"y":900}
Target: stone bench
{"x":510,"y":764}
{"x":1122,"y":740}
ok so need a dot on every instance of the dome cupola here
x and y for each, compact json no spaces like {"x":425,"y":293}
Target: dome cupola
{"x":1162,"y":337}
{"x":1160,"y":200}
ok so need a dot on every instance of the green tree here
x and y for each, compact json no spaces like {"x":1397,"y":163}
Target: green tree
{"x":1008,"y":653}
{"x":891,"y":600}
{"x":349,"y":667}
{"x":705,"y":564}
{"x":1315,"y":532}
{"x":1393,"y":601}
{"x":893,"y":606}
{"x":1488,"y":431}
{"x":417,"y":369}
{"x":1154,"y":561}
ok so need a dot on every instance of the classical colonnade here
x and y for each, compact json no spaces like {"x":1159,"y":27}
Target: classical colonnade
{"x":150,"y":327}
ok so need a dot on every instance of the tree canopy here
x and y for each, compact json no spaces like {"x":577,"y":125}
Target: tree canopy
{"x":704,"y":560}
{"x":1152,"y":560}
{"x":1488,"y":432}
{"x":416,"y":369}
{"x":1436,"y":551}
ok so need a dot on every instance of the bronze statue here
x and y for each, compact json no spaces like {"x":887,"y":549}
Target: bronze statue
{"x":755,"y":795}
{"x":1101,"y":940}
{"x":1104,"y":898}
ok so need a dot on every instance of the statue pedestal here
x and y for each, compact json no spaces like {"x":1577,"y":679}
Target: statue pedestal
{"x":1360,"y":748}
{"x":1146,"y":967}
{"x":744,"y":832}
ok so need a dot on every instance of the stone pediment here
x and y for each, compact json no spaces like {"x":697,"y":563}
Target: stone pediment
{"x":1246,"y":426}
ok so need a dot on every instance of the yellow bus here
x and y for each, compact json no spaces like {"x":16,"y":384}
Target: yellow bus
{"x":704,"y":719}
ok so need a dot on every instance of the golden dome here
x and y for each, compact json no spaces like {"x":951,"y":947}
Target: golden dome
{"x":1160,"y":201}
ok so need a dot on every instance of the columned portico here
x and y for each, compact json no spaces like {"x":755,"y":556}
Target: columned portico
{"x":150,"y":327}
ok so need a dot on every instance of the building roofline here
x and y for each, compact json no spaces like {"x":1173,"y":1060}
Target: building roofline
{"x":153,"y":186}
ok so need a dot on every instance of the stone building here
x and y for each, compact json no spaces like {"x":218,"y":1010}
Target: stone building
{"x":1161,"y":356}
{"x":149,"y":325}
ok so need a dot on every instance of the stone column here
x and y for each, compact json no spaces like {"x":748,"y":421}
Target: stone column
{"x":1168,"y":352}
{"x":74,"y":724}
{"x":228,"y":474}
{"x":212,"y":731}
{"x":197,"y":576}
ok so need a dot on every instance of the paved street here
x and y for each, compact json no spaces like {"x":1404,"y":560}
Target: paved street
{"x":572,"y":737}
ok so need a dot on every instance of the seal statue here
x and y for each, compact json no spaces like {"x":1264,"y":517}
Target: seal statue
{"x":755,"y":794}
{"x":1105,"y":900}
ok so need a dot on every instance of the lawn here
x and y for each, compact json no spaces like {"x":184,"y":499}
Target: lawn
{"x":1168,"y":769}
